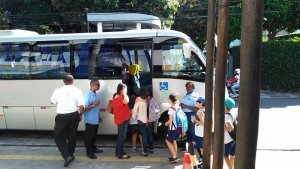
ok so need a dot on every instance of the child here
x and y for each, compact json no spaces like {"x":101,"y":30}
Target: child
{"x":172,"y":135}
{"x":139,"y":112}
{"x":198,"y":119}
{"x":229,"y":152}
{"x":133,"y":127}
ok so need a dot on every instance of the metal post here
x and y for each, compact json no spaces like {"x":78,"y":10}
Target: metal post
{"x":209,"y":84}
{"x":250,"y":83}
{"x":218,"y":146}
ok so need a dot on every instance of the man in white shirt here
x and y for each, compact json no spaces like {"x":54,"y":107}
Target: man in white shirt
{"x":70,"y":107}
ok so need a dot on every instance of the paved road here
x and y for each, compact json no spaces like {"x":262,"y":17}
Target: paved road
{"x":278,"y":144}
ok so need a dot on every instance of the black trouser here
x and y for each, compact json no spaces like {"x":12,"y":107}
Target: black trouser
{"x":65,"y":131}
{"x":150,"y":134}
{"x":90,"y":135}
{"x":143,"y":130}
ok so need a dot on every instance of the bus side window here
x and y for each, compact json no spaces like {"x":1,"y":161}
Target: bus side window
{"x":109,"y":61}
{"x":81,"y":70}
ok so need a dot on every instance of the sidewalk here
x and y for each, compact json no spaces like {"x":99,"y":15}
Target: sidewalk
{"x":264,"y":94}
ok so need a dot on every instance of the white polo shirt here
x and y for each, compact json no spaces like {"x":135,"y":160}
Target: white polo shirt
{"x":67,"y":98}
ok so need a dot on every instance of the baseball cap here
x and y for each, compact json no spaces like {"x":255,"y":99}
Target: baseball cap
{"x":201,"y":99}
{"x":229,"y":102}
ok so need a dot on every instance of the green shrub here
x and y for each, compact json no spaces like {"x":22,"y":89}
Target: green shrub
{"x":280,"y":65}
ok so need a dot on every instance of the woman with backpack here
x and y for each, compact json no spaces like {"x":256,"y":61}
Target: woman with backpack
{"x":172,"y":135}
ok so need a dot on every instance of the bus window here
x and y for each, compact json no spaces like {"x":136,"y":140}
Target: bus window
{"x":108,"y":61}
{"x":49,"y":61}
{"x":81,"y":59}
{"x":174,"y":64}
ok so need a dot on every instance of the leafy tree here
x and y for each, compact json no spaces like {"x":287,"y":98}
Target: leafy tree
{"x":281,"y":15}
{"x":278,"y":15}
{"x":191,"y":19}
{"x":57,"y":16}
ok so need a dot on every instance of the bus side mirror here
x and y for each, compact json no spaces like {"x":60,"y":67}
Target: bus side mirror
{"x":186,"y":50}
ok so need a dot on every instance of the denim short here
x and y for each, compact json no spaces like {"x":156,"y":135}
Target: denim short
{"x":172,"y":135}
{"x":133,"y":128}
{"x":199,"y":141}
{"x":229,"y":149}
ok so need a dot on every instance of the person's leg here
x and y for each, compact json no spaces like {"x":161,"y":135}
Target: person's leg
{"x":141,"y":141}
{"x":150,"y":135}
{"x":60,"y":135}
{"x":72,"y":129}
{"x":175,"y":147}
{"x":143,"y":130}
{"x":231,"y":159}
{"x":122,"y":129}
{"x":227,"y":152}
{"x":88,"y":138}
{"x":235,"y":87}
{"x":228,"y":162}
{"x":95,"y":136}
{"x":191,"y":127}
{"x":119,"y":144}
{"x":171,"y":148}
{"x":133,"y":139}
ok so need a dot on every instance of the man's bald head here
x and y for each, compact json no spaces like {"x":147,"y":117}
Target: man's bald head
{"x":68,"y":79}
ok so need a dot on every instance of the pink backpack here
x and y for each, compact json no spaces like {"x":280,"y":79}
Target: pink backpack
{"x":154,"y":111}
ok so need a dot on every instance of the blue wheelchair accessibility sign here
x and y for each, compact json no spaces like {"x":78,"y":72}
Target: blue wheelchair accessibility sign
{"x":163,"y":86}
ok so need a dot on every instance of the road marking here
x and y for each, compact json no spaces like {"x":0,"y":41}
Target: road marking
{"x":80,"y":158}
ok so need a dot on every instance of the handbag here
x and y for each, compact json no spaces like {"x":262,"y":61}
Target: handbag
{"x":109,"y":108}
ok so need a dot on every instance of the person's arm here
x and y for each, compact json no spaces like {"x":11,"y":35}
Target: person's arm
{"x":228,"y":126}
{"x":53,"y":99}
{"x":170,"y":120}
{"x":90,"y":107}
{"x":124,"y":93}
{"x":81,"y":111}
{"x":201,"y":118}
{"x":194,"y":109}
{"x":135,"y":110}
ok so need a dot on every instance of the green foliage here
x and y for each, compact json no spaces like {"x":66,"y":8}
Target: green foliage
{"x":189,"y":21}
{"x":69,"y":16}
{"x":279,"y":15}
{"x":280,"y":65}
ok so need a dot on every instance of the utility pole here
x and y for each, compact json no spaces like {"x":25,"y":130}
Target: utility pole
{"x":219,"y":96}
{"x":209,"y":84}
{"x":251,"y":36}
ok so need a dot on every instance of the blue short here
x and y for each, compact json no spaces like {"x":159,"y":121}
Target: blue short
{"x":172,"y":135}
{"x":133,"y":128}
{"x":229,"y":149}
{"x":199,"y":142}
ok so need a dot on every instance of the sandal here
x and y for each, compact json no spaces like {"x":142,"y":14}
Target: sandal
{"x":125,"y":156}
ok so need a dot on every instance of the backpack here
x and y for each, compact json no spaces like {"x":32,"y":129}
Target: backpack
{"x":181,"y":121}
{"x":154,"y":110}
{"x":233,"y":132}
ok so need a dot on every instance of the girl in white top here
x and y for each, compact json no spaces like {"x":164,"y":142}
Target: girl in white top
{"x":229,"y":150}
{"x":139,"y":112}
{"x":199,"y":126}
{"x":172,"y":135}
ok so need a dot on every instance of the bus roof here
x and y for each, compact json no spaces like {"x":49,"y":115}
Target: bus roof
{"x":8,"y":38}
{"x":17,"y":33}
{"x":142,"y":33}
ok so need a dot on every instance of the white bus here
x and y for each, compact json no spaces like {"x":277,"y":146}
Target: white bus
{"x":33,"y":65}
